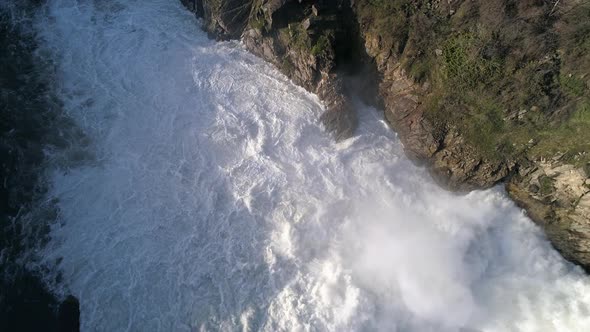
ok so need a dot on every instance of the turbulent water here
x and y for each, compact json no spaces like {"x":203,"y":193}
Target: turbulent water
{"x":215,"y":201}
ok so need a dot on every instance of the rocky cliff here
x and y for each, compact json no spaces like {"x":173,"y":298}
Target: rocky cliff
{"x":482,"y":91}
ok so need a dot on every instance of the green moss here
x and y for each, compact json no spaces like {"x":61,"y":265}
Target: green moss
{"x":582,"y":115}
{"x":484,"y":127}
{"x":299,"y":39}
{"x":321,"y":46}
{"x":257,"y":18}
{"x":546,"y":185}
{"x":258,"y":23}
{"x":572,"y":84}
{"x":464,"y":67}
{"x":571,"y":138}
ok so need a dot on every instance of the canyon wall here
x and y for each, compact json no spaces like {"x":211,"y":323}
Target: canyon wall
{"x":482,"y":92}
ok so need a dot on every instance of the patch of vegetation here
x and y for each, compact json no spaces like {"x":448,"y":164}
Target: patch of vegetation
{"x":258,"y":23}
{"x":512,"y":88}
{"x":571,"y":138}
{"x":257,"y":17}
{"x":299,"y":39}
{"x":464,"y":67}
{"x":321,"y":46}
{"x":573,"y":85}
{"x":482,"y":128}
{"x":546,"y":185}
{"x":410,"y":29}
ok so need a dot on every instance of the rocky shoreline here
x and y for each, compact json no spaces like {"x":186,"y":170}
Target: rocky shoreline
{"x":418,"y":60}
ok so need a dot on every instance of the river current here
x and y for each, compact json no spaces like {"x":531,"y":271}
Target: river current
{"x":214,"y":200}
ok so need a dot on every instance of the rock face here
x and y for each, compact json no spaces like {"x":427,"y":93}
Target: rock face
{"x":476,"y":102}
{"x":454,"y":164}
{"x":299,"y":38}
{"x":224,"y":19}
{"x":557,"y":197}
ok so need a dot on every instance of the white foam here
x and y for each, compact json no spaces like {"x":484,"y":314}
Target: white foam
{"x":217,"y":202}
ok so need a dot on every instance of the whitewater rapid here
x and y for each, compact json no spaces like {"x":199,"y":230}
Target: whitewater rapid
{"x":215,"y":201}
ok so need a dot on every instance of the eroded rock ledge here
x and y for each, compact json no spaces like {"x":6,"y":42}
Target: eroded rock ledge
{"x":481,"y":91}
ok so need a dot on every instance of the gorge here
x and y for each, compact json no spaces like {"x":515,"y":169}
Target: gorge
{"x":199,"y":187}
{"x":481,"y":91}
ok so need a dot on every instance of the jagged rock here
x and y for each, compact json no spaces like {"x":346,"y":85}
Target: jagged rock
{"x":562,"y":210}
{"x":223,"y":19}
{"x":338,"y":118}
{"x":454,"y":164}
{"x":293,"y":46}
